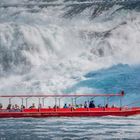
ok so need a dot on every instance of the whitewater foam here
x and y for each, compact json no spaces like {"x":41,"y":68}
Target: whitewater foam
{"x":41,"y":52}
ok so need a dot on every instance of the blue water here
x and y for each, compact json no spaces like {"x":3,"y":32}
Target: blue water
{"x":114,"y":80}
{"x":117,"y":78}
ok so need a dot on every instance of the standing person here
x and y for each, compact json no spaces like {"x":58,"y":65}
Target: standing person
{"x":91,"y":104}
{"x":85,"y":105}
{"x":106,"y":106}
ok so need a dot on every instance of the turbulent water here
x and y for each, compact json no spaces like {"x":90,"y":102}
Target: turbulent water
{"x":71,"y":129}
{"x":70,"y":46}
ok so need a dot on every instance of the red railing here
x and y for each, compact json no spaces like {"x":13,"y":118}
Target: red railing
{"x":63,"y":95}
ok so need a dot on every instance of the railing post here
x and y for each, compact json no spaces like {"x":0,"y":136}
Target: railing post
{"x":55,"y":104}
{"x":55,"y":101}
{"x":43,"y":102}
{"x":107,"y":100}
{"x":39,"y":105}
{"x":22,"y":101}
{"x":10,"y":100}
{"x":75,"y":101}
{"x":26,"y":102}
{"x":88,"y":104}
{"x":43,"y":99}
{"x":120,"y":103}
{"x":72,"y":101}
{"x":59,"y":102}
{"x":104,"y":101}
{"x":39,"y":100}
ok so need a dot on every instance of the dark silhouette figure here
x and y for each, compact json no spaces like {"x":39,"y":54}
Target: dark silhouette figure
{"x":106,"y":106}
{"x":91,"y":104}
{"x":85,"y":105}
{"x":65,"y":106}
{"x":9,"y":106}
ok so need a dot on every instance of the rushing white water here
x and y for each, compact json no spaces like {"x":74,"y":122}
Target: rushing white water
{"x":41,"y":51}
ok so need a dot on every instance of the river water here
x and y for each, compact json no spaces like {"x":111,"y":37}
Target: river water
{"x":102,"y":128}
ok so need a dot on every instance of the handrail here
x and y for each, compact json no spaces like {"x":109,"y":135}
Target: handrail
{"x":63,"y":95}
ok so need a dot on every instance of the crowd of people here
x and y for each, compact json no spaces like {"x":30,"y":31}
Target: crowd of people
{"x":15,"y":107}
{"x":90,"y":104}
{"x":86,"y":104}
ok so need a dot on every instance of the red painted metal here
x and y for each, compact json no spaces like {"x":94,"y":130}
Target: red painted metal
{"x":80,"y":112}
{"x":68,"y":112}
{"x":64,"y":95}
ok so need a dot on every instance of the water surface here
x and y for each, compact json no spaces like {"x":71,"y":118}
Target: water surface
{"x":70,"y":128}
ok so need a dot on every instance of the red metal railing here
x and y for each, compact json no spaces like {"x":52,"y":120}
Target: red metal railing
{"x":63,"y":95}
